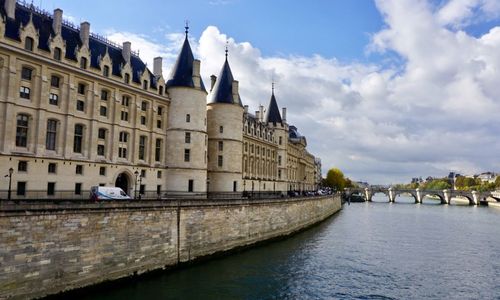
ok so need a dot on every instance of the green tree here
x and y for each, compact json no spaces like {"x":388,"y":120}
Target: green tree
{"x":438,"y":184}
{"x":335,"y":179}
{"x":497,"y":182}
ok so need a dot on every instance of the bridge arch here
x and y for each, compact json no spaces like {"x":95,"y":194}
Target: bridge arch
{"x":411,"y":193}
{"x":429,"y":194}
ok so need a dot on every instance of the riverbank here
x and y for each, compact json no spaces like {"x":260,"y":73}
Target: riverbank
{"x":53,"y":248}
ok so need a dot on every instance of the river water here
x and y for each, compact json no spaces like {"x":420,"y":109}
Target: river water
{"x":366,"y":251}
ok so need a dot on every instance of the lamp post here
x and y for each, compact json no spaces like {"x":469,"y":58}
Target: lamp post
{"x":10,"y":183}
{"x":136,"y":173}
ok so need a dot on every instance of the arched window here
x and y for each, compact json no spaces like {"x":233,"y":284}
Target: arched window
{"x":22,"y":130}
{"x":50,"y":140}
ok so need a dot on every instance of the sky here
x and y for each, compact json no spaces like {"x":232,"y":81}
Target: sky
{"x":385,"y":90}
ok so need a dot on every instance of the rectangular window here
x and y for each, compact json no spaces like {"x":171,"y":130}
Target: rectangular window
{"x":122,"y":152}
{"x":104,"y":95}
{"x":142,"y":189}
{"x":143,"y":120}
{"x":78,"y":188}
{"x":51,"y":188}
{"x":158,"y":174}
{"x":22,"y":130}
{"x":50,"y":139}
{"x":102,"y":171}
{"x":81,"y":89}
{"x":103,"y":111}
{"x":24,"y":92}
{"x":221,"y":129}
{"x":21,"y":188}
{"x":78,"y":139}
{"x":279,"y":160}
{"x":26,"y":73}
{"x":57,"y":53}
{"x":124,"y":116}
{"x":187,"y":138}
{"x":219,"y":160}
{"x":101,"y":133}
{"x":158,"y":189}
{"x":53,"y":99}
{"x":142,"y":147}
{"x":187,"y":153}
{"x":80,"y":105}
{"x":100,"y":150}
{"x":125,"y":100}
{"x":123,"y":137}
{"x":144,"y":106}
{"x":83,"y":62}
{"x":79,"y":169}
{"x":143,"y":173}
{"x":28,"y":44}
{"x":190,"y":185}
{"x":160,"y":90}
{"x":160,"y":110}
{"x":105,"y":71}
{"x":127,"y":78}
{"x":158,"y":124}
{"x":22,"y":166}
{"x":221,"y":146}
{"x":235,"y":186}
{"x":52,"y":168}
{"x":279,"y":174}
{"x":158,"y":150}
{"x":280,"y":140}
{"x":188,"y":118}
{"x":54,"y":81}
{"x":145,"y":84}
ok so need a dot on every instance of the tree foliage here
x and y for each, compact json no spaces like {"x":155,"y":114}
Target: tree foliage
{"x":335,"y":179}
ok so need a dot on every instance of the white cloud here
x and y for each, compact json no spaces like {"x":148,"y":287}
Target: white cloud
{"x":434,"y":112}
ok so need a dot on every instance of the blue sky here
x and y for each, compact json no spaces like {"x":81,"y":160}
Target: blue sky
{"x":386,"y":90}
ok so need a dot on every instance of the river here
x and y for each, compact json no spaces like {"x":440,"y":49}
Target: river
{"x":366,"y":251}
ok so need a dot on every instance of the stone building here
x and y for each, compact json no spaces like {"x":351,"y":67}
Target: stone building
{"x":77,"y":110}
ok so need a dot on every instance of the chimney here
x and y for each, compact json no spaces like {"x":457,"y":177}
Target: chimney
{"x":126,"y":51}
{"x":10,"y":8}
{"x":213,"y":79}
{"x":257,"y":115}
{"x":84,"y":33}
{"x":196,"y":73}
{"x":246,"y":109}
{"x":235,"y":88}
{"x":283,"y":117}
{"x":261,"y":108}
{"x":57,"y":21}
{"x":158,"y":66}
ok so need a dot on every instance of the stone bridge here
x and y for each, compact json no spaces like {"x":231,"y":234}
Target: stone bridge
{"x":445,"y":196}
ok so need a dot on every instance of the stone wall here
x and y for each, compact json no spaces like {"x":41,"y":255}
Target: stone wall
{"x":50,"y":248}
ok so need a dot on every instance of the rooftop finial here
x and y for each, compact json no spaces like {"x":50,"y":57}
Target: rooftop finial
{"x":187,"y":27}
{"x":227,"y":43}
{"x":272,"y":84}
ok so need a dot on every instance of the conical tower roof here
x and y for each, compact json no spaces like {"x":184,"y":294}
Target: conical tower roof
{"x":273,"y":112}
{"x":222,"y":91}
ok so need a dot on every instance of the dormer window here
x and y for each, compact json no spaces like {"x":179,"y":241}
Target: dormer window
{"x":145,"y":84}
{"x":160,"y":90}
{"x":83,"y":62}
{"x":57,"y":53}
{"x":105,"y":71}
{"x":28,"y":44}
{"x":127,"y":78}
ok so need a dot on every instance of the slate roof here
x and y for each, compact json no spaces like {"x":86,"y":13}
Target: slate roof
{"x":273,"y":112}
{"x":295,"y":136}
{"x":223,"y":89}
{"x":182,"y":73}
{"x":43,"y":24}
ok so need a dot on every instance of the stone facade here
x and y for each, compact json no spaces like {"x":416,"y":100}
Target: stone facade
{"x":47,"y":249}
{"x":78,"y":110}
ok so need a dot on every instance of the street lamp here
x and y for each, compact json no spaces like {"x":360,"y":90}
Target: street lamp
{"x":136,"y":173}
{"x":10,"y":183}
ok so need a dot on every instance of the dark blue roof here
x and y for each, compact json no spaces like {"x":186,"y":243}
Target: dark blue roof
{"x":295,"y":136}
{"x":222,"y":92}
{"x":71,"y":36}
{"x":182,"y":73}
{"x":273,"y":112}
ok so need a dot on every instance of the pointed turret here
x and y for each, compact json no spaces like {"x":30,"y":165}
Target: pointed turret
{"x":273,"y":112}
{"x":225,"y":89}
{"x":184,"y":68}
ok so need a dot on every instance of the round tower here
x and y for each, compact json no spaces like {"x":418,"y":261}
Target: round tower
{"x":186,"y":148}
{"x":225,"y":133}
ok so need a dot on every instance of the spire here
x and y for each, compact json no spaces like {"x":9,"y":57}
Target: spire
{"x":273,"y":112}
{"x":182,"y":73}
{"x":227,"y":42}
{"x":225,"y":89}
